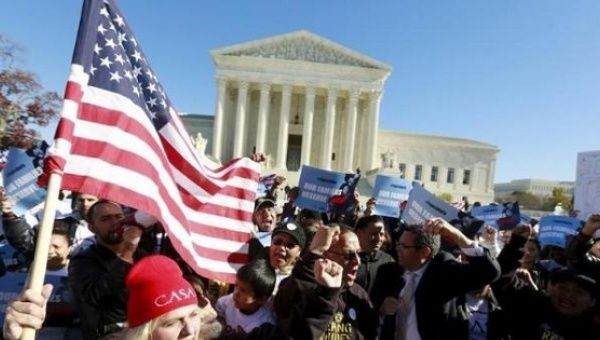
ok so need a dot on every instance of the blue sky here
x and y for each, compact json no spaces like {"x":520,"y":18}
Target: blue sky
{"x":522,"y":75}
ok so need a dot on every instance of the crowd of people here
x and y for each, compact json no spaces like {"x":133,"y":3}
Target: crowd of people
{"x":313,"y":276}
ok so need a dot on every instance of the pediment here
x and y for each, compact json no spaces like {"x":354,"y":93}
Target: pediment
{"x":302,"y":46}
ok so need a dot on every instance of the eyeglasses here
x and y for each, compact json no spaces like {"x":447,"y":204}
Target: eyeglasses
{"x":278,"y":242}
{"x":347,"y":256}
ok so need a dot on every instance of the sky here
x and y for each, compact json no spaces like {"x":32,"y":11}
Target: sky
{"x":521,"y":75}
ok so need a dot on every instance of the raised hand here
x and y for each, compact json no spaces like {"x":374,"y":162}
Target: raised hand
{"x":324,"y":237}
{"x":328,"y":273}
{"x":591,"y":225}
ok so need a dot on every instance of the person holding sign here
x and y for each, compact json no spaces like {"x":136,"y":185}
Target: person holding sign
{"x":584,"y":254}
{"x":422,"y":290}
{"x":559,"y":310}
{"x":28,"y":310}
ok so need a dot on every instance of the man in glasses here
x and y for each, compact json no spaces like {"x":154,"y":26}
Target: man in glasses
{"x":340,"y":313}
{"x":421,"y":291}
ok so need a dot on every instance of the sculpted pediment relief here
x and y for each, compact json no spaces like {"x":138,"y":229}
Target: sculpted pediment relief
{"x":302,"y":46}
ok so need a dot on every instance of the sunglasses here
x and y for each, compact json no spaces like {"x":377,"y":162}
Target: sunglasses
{"x":347,"y":256}
{"x":278,"y":242}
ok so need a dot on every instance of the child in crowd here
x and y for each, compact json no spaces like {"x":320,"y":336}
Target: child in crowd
{"x":246,"y":308}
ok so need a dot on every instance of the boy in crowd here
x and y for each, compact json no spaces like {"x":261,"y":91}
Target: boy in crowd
{"x":246,"y":308}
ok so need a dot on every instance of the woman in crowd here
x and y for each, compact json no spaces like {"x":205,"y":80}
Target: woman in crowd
{"x":162,"y":305}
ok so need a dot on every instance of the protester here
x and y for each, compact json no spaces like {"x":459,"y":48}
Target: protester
{"x":265,"y":216}
{"x":561,"y":311}
{"x":422,"y":290}
{"x":83,"y":237}
{"x":287,"y":243}
{"x":328,"y":313}
{"x":162,"y":305}
{"x":97,"y":274}
{"x":370,"y":231}
{"x":23,"y":238}
{"x":210,"y":327}
{"x":22,"y":232}
{"x":580,"y":253}
{"x":28,"y":310}
{"x":247,"y":307}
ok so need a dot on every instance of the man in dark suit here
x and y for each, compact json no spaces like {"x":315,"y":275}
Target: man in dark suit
{"x":417,"y":296}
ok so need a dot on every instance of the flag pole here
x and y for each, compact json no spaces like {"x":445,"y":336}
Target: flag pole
{"x":37,"y":270}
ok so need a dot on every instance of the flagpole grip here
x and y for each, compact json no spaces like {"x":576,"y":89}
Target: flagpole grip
{"x":37,"y":270}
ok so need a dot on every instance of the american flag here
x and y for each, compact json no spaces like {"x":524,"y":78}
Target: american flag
{"x":120,"y":138}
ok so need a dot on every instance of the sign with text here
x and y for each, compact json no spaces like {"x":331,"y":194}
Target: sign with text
{"x":501,"y":216}
{"x":587,"y":184}
{"x":389,"y":192}
{"x":554,"y":230}
{"x":20,"y":175}
{"x":60,"y":310}
{"x":326,"y":191}
{"x":423,"y":205}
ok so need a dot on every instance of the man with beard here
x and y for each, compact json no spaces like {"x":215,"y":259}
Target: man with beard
{"x":97,"y":274}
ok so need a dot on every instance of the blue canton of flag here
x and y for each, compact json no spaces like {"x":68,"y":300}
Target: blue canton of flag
{"x":118,"y":64}
{"x":119,"y":138}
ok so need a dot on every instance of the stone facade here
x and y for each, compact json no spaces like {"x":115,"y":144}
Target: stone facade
{"x":303,"y":99}
{"x":538,"y":187}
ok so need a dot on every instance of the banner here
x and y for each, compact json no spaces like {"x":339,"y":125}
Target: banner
{"x":423,"y":205}
{"x":587,"y":184}
{"x":60,"y":310}
{"x":389,"y":193}
{"x":500,"y":216}
{"x":20,"y":175}
{"x":326,"y":191}
{"x":554,"y":230}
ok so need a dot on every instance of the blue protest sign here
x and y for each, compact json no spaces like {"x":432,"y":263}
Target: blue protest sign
{"x":501,"y":216}
{"x":554,"y":230}
{"x":20,"y":175}
{"x":423,"y":205}
{"x":326,"y":191}
{"x":389,"y":192}
{"x":60,"y":310}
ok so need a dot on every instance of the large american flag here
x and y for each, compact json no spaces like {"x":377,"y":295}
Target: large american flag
{"x":120,"y":138}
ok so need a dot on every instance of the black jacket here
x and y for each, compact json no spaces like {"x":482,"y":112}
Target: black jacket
{"x":97,"y":279}
{"x":369,"y":265}
{"x":20,"y":235}
{"x":444,"y":280}
{"x":306,"y":310}
{"x":530,"y":313}
{"x":579,"y":256}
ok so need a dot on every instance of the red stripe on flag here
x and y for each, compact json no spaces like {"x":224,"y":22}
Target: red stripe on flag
{"x":120,"y":194}
{"x":73,"y":91}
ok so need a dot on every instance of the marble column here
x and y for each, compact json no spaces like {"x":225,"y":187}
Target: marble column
{"x":217,"y":145}
{"x":348,"y":146}
{"x":375,"y":101}
{"x":240,"y":120}
{"x":307,"y":129}
{"x":263,"y":108}
{"x":327,"y":149}
{"x":284,"y":122}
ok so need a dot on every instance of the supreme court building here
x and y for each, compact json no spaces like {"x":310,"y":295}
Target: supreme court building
{"x":302,"y":99}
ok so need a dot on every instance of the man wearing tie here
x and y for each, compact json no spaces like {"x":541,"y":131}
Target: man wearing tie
{"x":417,"y":295}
